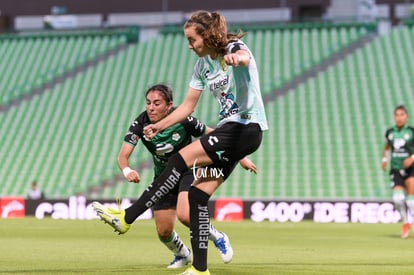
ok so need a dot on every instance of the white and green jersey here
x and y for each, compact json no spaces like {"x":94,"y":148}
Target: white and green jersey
{"x":236,"y":88}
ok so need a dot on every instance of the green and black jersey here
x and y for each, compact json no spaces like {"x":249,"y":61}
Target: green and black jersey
{"x":167,"y":142}
{"x":401,"y":142}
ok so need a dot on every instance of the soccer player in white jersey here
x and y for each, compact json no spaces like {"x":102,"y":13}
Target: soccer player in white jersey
{"x":226,"y":67}
{"x":159,"y":103}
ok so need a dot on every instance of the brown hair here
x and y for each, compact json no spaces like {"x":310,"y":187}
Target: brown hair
{"x":212,"y":27}
{"x":166,"y":92}
{"x":402,"y":108}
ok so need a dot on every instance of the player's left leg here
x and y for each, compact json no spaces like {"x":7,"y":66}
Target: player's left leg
{"x":225,"y":146}
{"x":409,"y":183}
{"x":199,"y":196}
{"x":165,"y":222}
{"x":220,"y":239}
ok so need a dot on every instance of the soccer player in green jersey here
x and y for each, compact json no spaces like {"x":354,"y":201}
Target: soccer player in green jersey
{"x":400,"y":139}
{"x":159,"y":103}
{"x":227,"y":69}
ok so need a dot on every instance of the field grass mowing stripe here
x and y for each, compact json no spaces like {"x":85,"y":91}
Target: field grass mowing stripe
{"x":31,"y":246}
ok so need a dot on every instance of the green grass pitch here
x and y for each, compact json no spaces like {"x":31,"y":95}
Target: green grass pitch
{"x":31,"y":246}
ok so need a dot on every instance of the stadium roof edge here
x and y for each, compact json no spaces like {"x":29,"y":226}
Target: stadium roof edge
{"x":285,"y":26}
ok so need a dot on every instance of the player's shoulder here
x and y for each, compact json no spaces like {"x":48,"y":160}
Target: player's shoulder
{"x":189,"y":120}
{"x":389,"y":130}
{"x":235,"y":45}
{"x":193,"y":125}
{"x":411,"y":128}
{"x":139,"y":122}
{"x":142,"y":118}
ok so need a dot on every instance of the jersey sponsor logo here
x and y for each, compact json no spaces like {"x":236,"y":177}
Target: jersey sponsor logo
{"x":164,"y":148}
{"x":219,"y":84}
{"x":228,"y":105}
{"x":203,"y":226}
{"x":169,"y":184}
{"x":398,"y":143}
{"x":228,"y":210}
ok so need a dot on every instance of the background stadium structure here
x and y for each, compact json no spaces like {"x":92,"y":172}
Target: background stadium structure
{"x":67,"y":98}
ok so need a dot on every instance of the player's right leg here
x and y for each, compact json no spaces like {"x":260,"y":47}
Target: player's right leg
{"x":165,"y":217}
{"x":114,"y":217}
{"x":193,"y":271}
{"x":398,"y":197}
{"x":120,"y":220}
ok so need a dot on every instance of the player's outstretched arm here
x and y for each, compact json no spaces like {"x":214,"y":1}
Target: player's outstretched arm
{"x":179,"y":114}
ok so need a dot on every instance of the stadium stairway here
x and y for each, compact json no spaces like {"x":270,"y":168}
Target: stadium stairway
{"x":33,"y":64}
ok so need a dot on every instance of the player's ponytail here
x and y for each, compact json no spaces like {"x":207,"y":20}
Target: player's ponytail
{"x":213,"y":28}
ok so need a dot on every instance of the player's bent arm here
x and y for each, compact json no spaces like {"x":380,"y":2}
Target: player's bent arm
{"x":385,"y":156}
{"x":123,"y":164}
{"x":179,"y":114}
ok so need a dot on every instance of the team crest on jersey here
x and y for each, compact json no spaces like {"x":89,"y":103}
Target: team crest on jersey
{"x":406,"y":136}
{"x":223,"y":65}
{"x":398,"y":143}
{"x":175,"y":136}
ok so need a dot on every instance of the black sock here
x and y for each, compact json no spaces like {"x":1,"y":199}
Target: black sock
{"x":158,"y":189}
{"x":199,"y":226}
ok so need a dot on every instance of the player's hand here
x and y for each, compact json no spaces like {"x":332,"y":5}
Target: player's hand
{"x":232,"y":59}
{"x":248,"y":165}
{"x":150,"y":131}
{"x":133,"y":176}
{"x":384,"y":165}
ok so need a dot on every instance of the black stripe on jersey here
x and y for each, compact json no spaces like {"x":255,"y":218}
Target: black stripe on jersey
{"x":236,"y":47}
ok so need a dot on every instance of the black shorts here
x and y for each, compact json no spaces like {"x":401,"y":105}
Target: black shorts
{"x":228,"y":144}
{"x":398,"y":177}
{"x":170,"y":200}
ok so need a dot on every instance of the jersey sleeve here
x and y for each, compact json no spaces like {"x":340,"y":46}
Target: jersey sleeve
{"x":135,"y":131}
{"x":386,"y":137}
{"x":197,"y":80}
{"x":236,"y":45}
{"x":410,"y":145}
{"x":194,"y":127}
